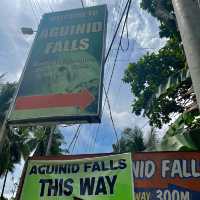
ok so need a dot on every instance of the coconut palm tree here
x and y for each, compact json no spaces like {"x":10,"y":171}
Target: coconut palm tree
{"x":20,"y":142}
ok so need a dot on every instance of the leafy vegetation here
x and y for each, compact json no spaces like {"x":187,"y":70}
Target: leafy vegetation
{"x":132,"y":140}
{"x":148,"y":74}
{"x":164,"y":12}
{"x":21,"y":142}
{"x":154,"y":70}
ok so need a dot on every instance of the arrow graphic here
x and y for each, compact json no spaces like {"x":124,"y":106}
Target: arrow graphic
{"x":82,"y":100}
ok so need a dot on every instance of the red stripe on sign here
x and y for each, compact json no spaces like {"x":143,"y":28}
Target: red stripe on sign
{"x":81,"y":99}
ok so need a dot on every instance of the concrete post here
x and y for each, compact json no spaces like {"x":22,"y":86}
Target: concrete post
{"x":188,"y":17}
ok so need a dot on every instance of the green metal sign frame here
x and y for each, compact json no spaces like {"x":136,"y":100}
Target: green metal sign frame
{"x":63,"y":76}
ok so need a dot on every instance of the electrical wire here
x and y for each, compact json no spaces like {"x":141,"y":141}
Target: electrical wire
{"x":78,"y":134}
{"x":198,"y":1}
{"x":82,"y":4}
{"x":38,"y":4}
{"x":114,"y":18}
{"x":34,"y":13}
{"x":73,"y":139}
{"x":116,"y":31}
{"x":50,"y":6}
{"x":128,"y":4}
{"x":111,"y":117}
{"x":127,"y":37}
{"x":115,"y":61}
{"x":36,"y":8}
{"x":106,"y":58}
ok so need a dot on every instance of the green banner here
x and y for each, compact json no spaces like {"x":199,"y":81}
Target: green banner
{"x":99,"y":178}
{"x":62,"y":80}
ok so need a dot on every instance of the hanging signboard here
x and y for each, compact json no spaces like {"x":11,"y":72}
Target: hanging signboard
{"x":167,"y":176}
{"x":65,"y":177}
{"x":63,"y":75}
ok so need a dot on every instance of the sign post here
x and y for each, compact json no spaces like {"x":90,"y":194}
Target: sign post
{"x":62,"y":80}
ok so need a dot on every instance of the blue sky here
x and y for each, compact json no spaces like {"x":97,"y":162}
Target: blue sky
{"x":143,"y":37}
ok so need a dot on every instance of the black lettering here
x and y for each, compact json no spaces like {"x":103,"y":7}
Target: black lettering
{"x":60,"y":187}
{"x":111,"y":183}
{"x":122,"y":164}
{"x":50,"y":169}
{"x":62,"y":169}
{"x":33,"y":170}
{"x":103,"y":166}
{"x":55,"y":169}
{"x":68,"y":186}
{"x":87,"y":184}
{"x":101,"y":187}
{"x":75,"y":168}
{"x":87,"y":166}
{"x":112,"y":167}
{"x":43,"y":183}
{"x":96,"y":167}
{"x":53,"y":188}
{"x":41,"y":169}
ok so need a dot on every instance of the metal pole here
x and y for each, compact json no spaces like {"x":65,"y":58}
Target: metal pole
{"x":50,"y":140}
{"x":188,"y":17}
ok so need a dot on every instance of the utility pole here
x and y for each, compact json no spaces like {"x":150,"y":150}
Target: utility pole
{"x":50,"y":140}
{"x":188,"y":18}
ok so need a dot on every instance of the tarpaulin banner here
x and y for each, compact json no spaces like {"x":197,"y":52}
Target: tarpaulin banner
{"x":96,"y":178}
{"x":167,"y":176}
{"x":63,"y":75}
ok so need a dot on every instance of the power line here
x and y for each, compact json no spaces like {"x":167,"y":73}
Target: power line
{"x":115,"y":61}
{"x":73,"y":139}
{"x":92,"y":144}
{"x":82,"y":3}
{"x":50,"y":6}
{"x":128,"y":4}
{"x":34,"y":13}
{"x":198,"y":1}
{"x":116,"y":31}
{"x":38,"y":4}
{"x":111,"y":117}
{"x":114,"y":18}
{"x":36,"y":8}
{"x":78,"y":134}
{"x":127,"y":37}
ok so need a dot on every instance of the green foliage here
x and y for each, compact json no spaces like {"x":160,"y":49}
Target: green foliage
{"x":186,"y":122}
{"x":15,"y":147}
{"x":179,"y":142}
{"x":40,"y":141}
{"x":6,"y":93}
{"x":3,"y":198}
{"x":148,"y":74}
{"x":161,"y":86}
{"x":164,"y":12}
{"x":132,"y":140}
{"x":20,"y":142}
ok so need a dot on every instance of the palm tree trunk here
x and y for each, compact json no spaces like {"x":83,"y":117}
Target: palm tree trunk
{"x":188,"y":16}
{"x":50,"y":140}
{"x":4,"y":184}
